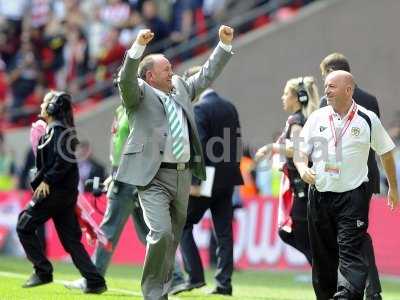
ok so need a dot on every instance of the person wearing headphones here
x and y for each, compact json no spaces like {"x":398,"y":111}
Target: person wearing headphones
{"x":300,"y":98}
{"x":55,"y":194}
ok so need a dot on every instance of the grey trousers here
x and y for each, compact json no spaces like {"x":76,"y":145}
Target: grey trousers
{"x":122,"y":202}
{"x":164,"y":202}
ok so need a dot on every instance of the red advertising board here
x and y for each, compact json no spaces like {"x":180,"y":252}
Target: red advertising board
{"x":256,"y":243}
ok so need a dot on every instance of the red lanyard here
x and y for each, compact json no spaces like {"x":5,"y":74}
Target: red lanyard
{"x":346,"y":125}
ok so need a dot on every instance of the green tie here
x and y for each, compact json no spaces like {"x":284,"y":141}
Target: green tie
{"x":175,"y":127}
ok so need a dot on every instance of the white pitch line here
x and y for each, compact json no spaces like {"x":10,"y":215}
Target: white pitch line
{"x":9,"y":274}
{"x":62,"y":282}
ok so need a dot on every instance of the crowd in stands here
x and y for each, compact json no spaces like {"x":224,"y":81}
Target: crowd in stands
{"x":73,"y":45}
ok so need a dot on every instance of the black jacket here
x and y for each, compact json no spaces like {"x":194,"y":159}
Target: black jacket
{"x":369,"y":102}
{"x":214,"y":116}
{"x":55,"y":162}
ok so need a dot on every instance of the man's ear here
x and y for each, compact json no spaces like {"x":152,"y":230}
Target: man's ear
{"x":148,"y":75}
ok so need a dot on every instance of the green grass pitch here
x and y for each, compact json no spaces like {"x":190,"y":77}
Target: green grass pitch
{"x":124,"y":283}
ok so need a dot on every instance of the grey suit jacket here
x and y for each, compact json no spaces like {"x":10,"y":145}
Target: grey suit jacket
{"x":143,"y":151}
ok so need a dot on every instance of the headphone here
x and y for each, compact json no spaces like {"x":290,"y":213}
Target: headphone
{"x":302,"y":94}
{"x":57,"y":103}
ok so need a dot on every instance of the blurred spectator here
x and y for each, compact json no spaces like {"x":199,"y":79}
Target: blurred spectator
{"x":76,"y":58}
{"x":8,"y":178}
{"x":129,"y":33}
{"x":112,"y":51}
{"x":164,"y":9}
{"x":40,"y":13}
{"x":182,"y":20}
{"x":23,"y":78}
{"x":43,"y":54}
{"x":111,"y":55}
{"x":214,"y":9}
{"x":10,"y":37}
{"x":115,"y":13}
{"x":154,"y":22}
{"x":13,"y":10}
{"x":53,"y":54}
{"x":88,"y":166}
{"x":73,"y":14}
{"x":96,"y":33}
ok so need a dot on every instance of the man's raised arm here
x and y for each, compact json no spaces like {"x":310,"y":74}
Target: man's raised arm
{"x":214,"y":65}
{"x":128,"y":83}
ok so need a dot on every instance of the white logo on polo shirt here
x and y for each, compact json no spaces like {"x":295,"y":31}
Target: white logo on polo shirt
{"x":355,"y":131}
{"x":360,"y":223}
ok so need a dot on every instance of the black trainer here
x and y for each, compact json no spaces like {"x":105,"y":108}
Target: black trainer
{"x":376,"y":296}
{"x":345,"y":294}
{"x":221,"y":291}
{"x":95,"y":290}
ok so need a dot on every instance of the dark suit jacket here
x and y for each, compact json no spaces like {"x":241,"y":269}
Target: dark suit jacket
{"x":369,"y":102}
{"x":215,"y":116}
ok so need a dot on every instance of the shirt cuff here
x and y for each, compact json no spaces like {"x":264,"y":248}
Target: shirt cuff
{"x":226,"y":47}
{"x":136,"y":51}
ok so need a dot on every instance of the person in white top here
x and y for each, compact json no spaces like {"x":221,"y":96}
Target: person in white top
{"x":338,"y":138}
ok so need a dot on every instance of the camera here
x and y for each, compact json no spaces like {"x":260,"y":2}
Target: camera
{"x":95,"y":187}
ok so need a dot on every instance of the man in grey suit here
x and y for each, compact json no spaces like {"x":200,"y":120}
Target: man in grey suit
{"x":164,"y":150}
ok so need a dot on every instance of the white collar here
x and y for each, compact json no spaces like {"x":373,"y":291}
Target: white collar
{"x":337,"y":116}
{"x":207,"y":91}
{"x":162,"y":94}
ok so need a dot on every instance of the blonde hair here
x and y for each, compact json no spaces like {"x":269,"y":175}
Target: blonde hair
{"x":294,"y":86}
{"x":49,"y":95}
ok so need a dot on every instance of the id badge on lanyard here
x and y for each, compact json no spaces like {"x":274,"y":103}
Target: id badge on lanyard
{"x":332,"y":165}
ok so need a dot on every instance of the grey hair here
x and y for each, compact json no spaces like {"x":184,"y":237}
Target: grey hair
{"x":146,"y":64}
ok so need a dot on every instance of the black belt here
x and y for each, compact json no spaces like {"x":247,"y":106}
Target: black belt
{"x":175,"y":166}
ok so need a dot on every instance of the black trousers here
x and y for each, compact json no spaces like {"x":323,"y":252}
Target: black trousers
{"x":220,"y":205}
{"x":373,"y":285}
{"x":298,"y":238}
{"x":338,"y":224}
{"x":59,"y":206}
